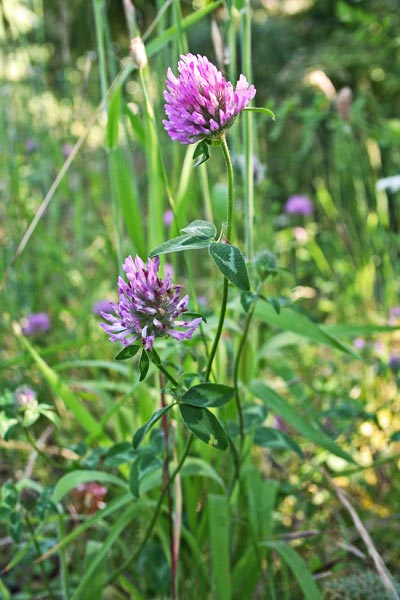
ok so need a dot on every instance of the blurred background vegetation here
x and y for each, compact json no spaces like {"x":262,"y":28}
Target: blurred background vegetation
{"x":330,"y":71}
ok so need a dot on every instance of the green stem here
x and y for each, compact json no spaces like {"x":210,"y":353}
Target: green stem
{"x":39,"y":554}
{"x":166,"y":373}
{"x":229,"y":168}
{"x":99,"y":24}
{"x":152,"y":523}
{"x":248,"y":136}
{"x":63,"y":560}
{"x":236,"y":372}
{"x":228,"y":232}
{"x":41,"y":452}
{"x":169,"y":492}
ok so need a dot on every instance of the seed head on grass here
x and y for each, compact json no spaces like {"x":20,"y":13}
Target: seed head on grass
{"x":148,"y":307}
{"x":200,"y":102}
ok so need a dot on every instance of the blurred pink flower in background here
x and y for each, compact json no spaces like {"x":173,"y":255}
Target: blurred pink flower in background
{"x":35,"y":323}
{"x":168,"y":217}
{"x":299,"y":205}
{"x":359,"y":343}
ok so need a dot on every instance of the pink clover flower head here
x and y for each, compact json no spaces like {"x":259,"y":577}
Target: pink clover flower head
{"x":200,"y":102}
{"x":395,"y":312}
{"x":35,"y":323}
{"x":66,"y":149}
{"x":168,"y":217}
{"x":148,"y":307}
{"x":299,"y":205}
{"x":30,"y":145}
{"x":359,"y":343}
{"x":25,"y":397}
{"x":394,"y":362}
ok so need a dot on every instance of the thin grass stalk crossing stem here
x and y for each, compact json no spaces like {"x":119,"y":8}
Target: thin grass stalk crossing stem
{"x":228,"y":231}
{"x":236,"y":372}
{"x":248,"y":137}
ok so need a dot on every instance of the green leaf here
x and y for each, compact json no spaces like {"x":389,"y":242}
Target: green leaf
{"x":291,"y":320}
{"x":230,"y":262}
{"x":196,"y":467}
{"x":296,"y":420}
{"x":128,"y":352}
{"x":154,"y":357}
{"x":204,"y":425}
{"x":180,"y":243}
{"x":261,"y":496}
{"x":134,"y":481}
{"x":208,"y":394}
{"x":201,"y":153}
{"x":268,"y":437}
{"x":298,"y":567}
{"x":142,"y":431}
{"x":395,"y":437}
{"x":61,"y":389}
{"x":90,"y":579}
{"x":201,"y":229}
{"x":144,"y":364}
{"x":265,"y":111}
{"x":142,"y":466}
{"x":71,"y":480}
{"x":162,"y":39}
{"x":354,"y":330}
{"x":220,"y":544}
{"x":114,"y":110}
{"x":125,"y":192}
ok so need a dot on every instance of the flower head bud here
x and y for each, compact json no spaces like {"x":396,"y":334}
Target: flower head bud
{"x":25,"y":397}
{"x":138,"y":52}
{"x":265,"y":264}
{"x":28,"y":498}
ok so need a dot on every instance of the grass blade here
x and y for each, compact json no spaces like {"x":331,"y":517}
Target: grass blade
{"x":219,"y":538}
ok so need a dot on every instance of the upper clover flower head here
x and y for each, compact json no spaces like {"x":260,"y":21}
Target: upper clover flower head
{"x":148,"y":307}
{"x":200,"y":102}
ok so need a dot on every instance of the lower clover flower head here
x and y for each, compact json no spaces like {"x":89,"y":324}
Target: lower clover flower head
{"x":299,"y":205}
{"x":200,"y":102}
{"x":148,"y":307}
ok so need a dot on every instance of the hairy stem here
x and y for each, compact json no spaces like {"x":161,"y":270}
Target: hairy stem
{"x":236,"y":372}
{"x":228,"y":231}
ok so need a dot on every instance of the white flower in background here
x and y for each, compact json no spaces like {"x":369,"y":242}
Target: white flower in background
{"x":390,"y":184}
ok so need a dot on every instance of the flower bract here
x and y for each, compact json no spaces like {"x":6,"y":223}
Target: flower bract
{"x":148,"y":307}
{"x":200,"y":102}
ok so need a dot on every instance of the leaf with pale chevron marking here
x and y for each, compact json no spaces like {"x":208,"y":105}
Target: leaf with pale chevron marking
{"x":230,"y":262}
